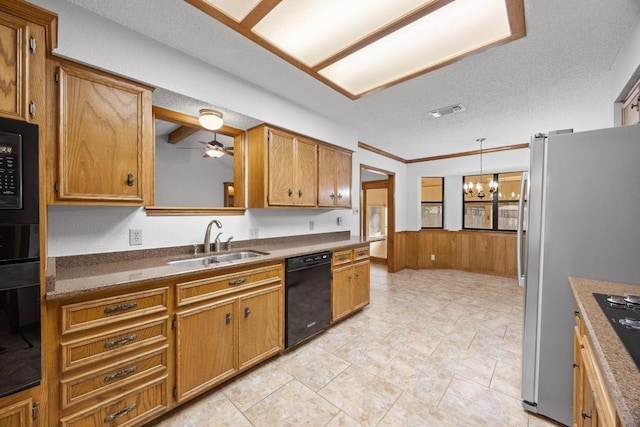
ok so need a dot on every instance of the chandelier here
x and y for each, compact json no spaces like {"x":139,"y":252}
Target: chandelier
{"x":472,"y":189}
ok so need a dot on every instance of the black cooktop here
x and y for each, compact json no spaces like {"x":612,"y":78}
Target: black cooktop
{"x":624,"y":316}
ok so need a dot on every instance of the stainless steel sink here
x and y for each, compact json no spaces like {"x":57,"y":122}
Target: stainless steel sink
{"x":216,"y":258}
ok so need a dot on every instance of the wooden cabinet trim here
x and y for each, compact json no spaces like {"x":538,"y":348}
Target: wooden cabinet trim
{"x":150,"y":399}
{"x":218,"y":285}
{"x":105,"y":311}
{"x":114,"y":343}
{"x":91,"y":384}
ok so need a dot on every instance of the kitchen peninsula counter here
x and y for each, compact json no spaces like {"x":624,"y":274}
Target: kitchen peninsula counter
{"x":620,"y":373}
{"x":74,"y":275}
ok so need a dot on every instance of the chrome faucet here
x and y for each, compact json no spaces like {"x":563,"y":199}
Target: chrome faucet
{"x":207,"y":236}
{"x":216,"y":242}
{"x":229,"y":243}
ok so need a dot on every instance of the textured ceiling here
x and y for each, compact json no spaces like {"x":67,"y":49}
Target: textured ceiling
{"x":534,"y":84}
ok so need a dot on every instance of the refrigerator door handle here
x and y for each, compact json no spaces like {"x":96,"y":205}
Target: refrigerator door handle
{"x":520,"y":232}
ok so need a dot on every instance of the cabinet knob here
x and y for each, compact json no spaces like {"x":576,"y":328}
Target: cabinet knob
{"x":299,"y":193}
{"x":290,"y":192}
{"x":247,"y":311}
{"x":339,"y":196}
{"x":333,"y":196}
{"x":636,"y":104}
{"x":585,"y":415}
{"x":227,"y":318}
{"x":130,"y":180}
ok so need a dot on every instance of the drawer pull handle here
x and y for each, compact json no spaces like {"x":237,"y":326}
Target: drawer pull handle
{"x":121,"y":307}
{"x":121,"y":412}
{"x":120,"y":374}
{"x":119,"y":341}
{"x":227,"y":318}
{"x":237,"y":281}
{"x":362,"y":254}
{"x":247,"y":311}
{"x":342,"y":258}
{"x":585,"y":415}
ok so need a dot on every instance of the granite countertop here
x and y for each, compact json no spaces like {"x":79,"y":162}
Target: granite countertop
{"x":618,"y":369}
{"x":70,"y":276}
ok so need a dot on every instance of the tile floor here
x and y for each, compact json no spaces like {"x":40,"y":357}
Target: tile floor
{"x":434,"y":348}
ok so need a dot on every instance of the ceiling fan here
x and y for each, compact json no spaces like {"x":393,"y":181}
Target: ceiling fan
{"x":213,"y":149}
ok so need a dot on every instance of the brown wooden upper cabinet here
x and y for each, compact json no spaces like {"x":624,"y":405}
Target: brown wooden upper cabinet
{"x":334,"y":178}
{"x":103,"y":137}
{"x":289,"y":170}
{"x":282,"y":167}
{"x":630,"y":107}
{"x":26,"y":33}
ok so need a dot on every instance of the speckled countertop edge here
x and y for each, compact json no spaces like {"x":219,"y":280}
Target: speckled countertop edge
{"x":619,"y":370}
{"x":76,"y":278}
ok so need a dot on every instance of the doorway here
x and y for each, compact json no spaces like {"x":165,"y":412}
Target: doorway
{"x":377,"y":212}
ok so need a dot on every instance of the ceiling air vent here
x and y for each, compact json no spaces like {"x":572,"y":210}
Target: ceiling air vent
{"x":447,"y":110}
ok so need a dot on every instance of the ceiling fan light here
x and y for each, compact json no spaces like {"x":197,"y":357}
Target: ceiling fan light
{"x":210,"y":119}
{"x":214,"y":153}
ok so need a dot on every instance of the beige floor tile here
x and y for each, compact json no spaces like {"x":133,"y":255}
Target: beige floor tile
{"x":507,"y":379}
{"x":411,"y":412}
{"x":431,"y":385}
{"x":367,"y":354}
{"x":292,"y":405}
{"x":490,"y":407}
{"x":314,"y":367}
{"x":255,"y":385}
{"x":361,"y":395}
{"x":540,"y":421}
{"x":343,"y":420}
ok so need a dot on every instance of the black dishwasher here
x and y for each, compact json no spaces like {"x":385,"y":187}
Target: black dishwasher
{"x":307,"y":296}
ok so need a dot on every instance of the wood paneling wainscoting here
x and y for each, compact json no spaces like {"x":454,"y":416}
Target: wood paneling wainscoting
{"x":478,"y":251}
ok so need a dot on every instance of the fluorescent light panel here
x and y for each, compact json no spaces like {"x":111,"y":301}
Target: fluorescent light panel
{"x":458,"y":28}
{"x":313,"y":30}
{"x":310,"y":33}
{"x":235,"y":9}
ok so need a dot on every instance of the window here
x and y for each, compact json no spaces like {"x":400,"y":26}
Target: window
{"x":432,"y":205}
{"x":498,"y":211}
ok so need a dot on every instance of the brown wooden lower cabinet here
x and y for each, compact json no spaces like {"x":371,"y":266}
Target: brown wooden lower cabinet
{"x":478,"y":251}
{"x":18,"y":410}
{"x":592,"y":404}
{"x":350,"y":284}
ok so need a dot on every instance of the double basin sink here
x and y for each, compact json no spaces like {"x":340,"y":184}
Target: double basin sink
{"x":216,"y":258}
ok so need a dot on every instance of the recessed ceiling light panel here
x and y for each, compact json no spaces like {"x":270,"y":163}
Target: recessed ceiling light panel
{"x":447,"y":110}
{"x":236,"y":9}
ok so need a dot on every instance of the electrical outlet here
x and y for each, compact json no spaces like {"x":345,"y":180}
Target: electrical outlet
{"x":339,"y":220}
{"x":253,"y":233}
{"x":311,"y":225}
{"x":433,"y":257}
{"x":135,"y":236}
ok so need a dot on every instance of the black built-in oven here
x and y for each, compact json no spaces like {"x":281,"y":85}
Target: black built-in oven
{"x":20,"y":354}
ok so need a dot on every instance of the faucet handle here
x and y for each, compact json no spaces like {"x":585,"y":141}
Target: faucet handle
{"x":229,"y":243}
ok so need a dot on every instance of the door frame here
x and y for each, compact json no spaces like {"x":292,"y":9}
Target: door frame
{"x":391,"y":210}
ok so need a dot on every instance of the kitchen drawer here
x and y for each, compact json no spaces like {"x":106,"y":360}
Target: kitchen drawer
{"x":208,"y":287}
{"x":116,"y":343}
{"x":361,"y":253}
{"x":94,"y":383}
{"x":105,"y":311}
{"x":141,"y":404}
{"x":341,"y":257}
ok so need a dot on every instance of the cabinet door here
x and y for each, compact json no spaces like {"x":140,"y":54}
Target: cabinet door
{"x":326,"y":177}
{"x":343,"y":179}
{"x":341,"y":292}
{"x":260,"y":325}
{"x":360,"y":285}
{"x":630,"y":108}
{"x":205,"y":347}
{"x":281,"y":168}
{"x":14,"y":61}
{"x":101,"y":137}
{"x":17,"y":415}
{"x":306,"y":173}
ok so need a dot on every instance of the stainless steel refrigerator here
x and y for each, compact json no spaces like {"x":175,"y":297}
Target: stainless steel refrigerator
{"x":583,"y":220}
